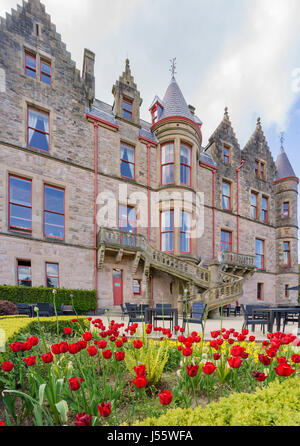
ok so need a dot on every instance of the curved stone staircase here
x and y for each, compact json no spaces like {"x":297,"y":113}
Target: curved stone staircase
{"x":223,"y":281}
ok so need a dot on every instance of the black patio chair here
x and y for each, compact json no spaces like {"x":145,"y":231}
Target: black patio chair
{"x":254,"y":319}
{"x":134,"y":314}
{"x":124,"y":312}
{"x":44,"y":309}
{"x":196,"y":315}
{"x":224,"y":310}
{"x":24,"y":308}
{"x":163,"y":313}
{"x":290,"y":317}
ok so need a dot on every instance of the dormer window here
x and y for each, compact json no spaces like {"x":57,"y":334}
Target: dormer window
{"x":156,"y":112}
{"x":127,"y":109}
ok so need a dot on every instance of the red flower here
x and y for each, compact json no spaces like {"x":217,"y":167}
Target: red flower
{"x":165,"y":397}
{"x":55,"y":348}
{"x":107,"y":354}
{"x":92,"y":351}
{"x":63,"y":347}
{"x":87,"y":336}
{"x":265,"y":360}
{"x":2,"y":423}
{"x":104,"y":409}
{"x":282,"y":360}
{"x":245,"y":331}
{"x":118,"y":343}
{"x":26,"y":346}
{"x":30,"y":361}
{"x":235,"y":362}
{"x":137,"y":344}
{"x":76,"y":320}
{"x":215,"y":334}
{"x":74,"y":348}
{"x":192,"y":370}
{"x":237,"y":350}
{"x":284,"y":370}
{"x":181,"y":330}
{"x":271,"y":352}
{"x":140,"y":382}
{"x":187,"y":351}
{"x":74,"y":383}
{"x":241,"y":337}
{"x":16,"y":347}
{"x":7,"y":366}
{"x":83,"y":420}
{"x":120,"y":356}
{"x":67,"y":330}
{"x":82,"y":344}
{"x":259,"y":376}
{"x":209,"y":368}
{"x":176,"y":327}
{"x":47,"y":357}
{"x":33,"y":340}
{"x":102,"y":344}
{"x":251,"y":338}
{"x":217,"y":356}
{"x":140,"y":370}
{"x":230,"y":341}
{"x":295,"y":358}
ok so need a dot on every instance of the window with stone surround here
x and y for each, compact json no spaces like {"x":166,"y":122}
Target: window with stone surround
{"x":226,"y":154}
{"x":30,"y":64}
{"x":260,"y":169}
{"x":260,"y":253}
{"x":254,"y":198}
{"x":38,"y":133}
{"x":185,"y":164}
{"x":20,"y":204}
{"x":260,"y":291}
{"x":24,"y":273}
{"x":52,"y":275}
{"x":127,"y":161}
{"x":127,"y":109}
{"x":167,"y":163}
{"x":137,"y":287}
{"x":286,"y":254}
{"x":265,"y":209}
{"x":185,"y":232}
{"x":45,"y":71}
{"x":286,"y":209}
{"x":127,"y":223}
{"x":54,"y":212}
{"x":226,"y":241}
{"x":167,"y":231}
{"x":226,"y":195}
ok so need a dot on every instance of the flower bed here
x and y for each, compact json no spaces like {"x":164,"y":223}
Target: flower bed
{"x":112,"y":375}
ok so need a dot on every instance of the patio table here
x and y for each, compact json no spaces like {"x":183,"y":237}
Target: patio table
{"x":151,"y":311}
{"x":275,"y":313}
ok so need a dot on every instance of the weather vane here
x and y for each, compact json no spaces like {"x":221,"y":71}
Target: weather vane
{"x":282,"y":139}
{"x":173,"y":66}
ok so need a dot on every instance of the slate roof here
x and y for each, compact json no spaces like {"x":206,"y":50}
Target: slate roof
{"x":102,"y":111}
{"x":283,"y":166}
{"x":174,"y":102}
{"x":145,"y":133}
{"x":206,"y":157}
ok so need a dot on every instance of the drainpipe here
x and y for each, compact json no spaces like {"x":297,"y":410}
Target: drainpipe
{"x":213,"y":211}
{"x":238,"y":207}
{"x":95,"y":205}
{"x":149,"y":193}
{"x":151,"y":290}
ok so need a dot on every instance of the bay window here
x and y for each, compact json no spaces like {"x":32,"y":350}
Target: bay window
{"x":167,"y":231}
{"x":185,"y":164}
{"x":185,"y":232}
{"x":167,"y":163}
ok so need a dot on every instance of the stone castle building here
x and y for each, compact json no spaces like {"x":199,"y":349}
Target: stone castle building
{"x":66,"y":156}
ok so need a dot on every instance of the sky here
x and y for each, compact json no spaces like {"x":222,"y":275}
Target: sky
{"x":243,"y":54}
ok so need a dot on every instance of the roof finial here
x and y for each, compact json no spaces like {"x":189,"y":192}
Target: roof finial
{"x":226,"y":115}
{"x":258,"y":123}
{"x":173,"y":67}
{"x":282,"y":139}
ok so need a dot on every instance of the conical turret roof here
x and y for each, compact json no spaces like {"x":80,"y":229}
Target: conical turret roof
{"x":174,"y":102}
{"x":283,"y":166}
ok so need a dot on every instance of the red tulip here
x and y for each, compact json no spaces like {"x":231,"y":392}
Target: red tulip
{"x":165,"y":397}
{"x":30,"y":361}
{"x":265,"y":360}
{"x":102,"y":344}
{"x":55,"y":348}
{"x":74,"y":348}
{"x":47,"y":358}
{"x":217,"y":356}
{"x":187,"y":351}
{"x":83,"y":420}
{"x":259,"y":376}
{"x":118,"y":343}
{"x":209,"y":368}
{"x":74,"y":383}
{"x":235,"y":362}
{"x":107,"y":354}
{"x":92,"y":351}
{"x":140,"y":382}
{"x":33,"y":340}
{"x":284,"y":370}
{"x":192,"y":370}
{"x":295,"y":358}
{"x":67,"y":330}
{"x":137,"y":344}
{"x":104,"y":409}
{"x":120,"y":356}
{"x":87,"y":336}
{"x":16,"y":347}
{"x":63,"y":347}
{"x":7,"y":366}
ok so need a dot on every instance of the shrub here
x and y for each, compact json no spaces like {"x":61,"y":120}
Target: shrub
{"x":276,"y":405}
{"x":7,"y":308}
{"x":84,"y":300}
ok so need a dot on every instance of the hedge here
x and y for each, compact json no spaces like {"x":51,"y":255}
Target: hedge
{"x":84,"y":300}
{"x":15,"y":327}
{"x":276,"y":405}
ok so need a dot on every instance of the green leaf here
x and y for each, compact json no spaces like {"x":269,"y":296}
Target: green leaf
{"x":41,"y":394}
{"x":63,"y":409}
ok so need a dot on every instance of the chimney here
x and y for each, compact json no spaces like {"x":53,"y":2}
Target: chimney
{"x":88,"y":74}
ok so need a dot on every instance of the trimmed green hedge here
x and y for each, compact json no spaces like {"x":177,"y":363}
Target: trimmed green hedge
{"x":276,"y":405}
{"x":84,"y":300}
